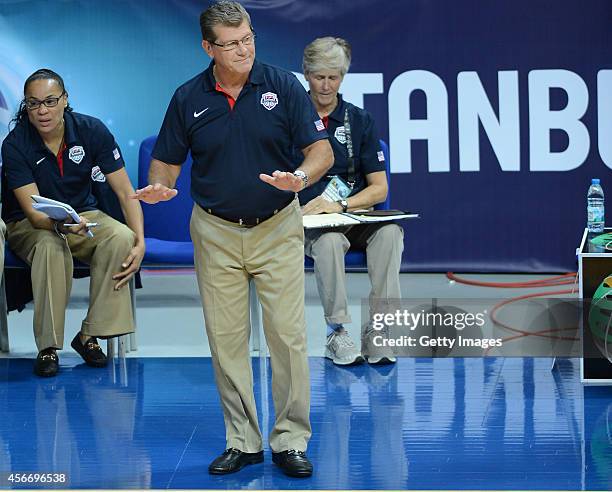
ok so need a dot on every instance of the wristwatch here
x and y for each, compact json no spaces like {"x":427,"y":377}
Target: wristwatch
{"x":303,"y":176}
{"x":344,"y":204}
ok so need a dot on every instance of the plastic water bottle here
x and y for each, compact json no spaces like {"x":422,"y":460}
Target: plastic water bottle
{"x":595,"y":207}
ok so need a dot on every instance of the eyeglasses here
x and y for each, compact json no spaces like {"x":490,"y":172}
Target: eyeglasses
{"x":50,"y":102}
{"x":248,"y":40}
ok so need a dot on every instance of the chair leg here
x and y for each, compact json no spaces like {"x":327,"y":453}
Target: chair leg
{"x":131,"y":344}
{"x":110,"y":348}
{"x":122,"y":341}
{"x":125,"y":343}
{"x":258,"y":346}
{"x":4,"y":340}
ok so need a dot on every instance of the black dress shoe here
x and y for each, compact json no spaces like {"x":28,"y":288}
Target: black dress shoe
{"x":90,"y":351}
{"x":293,"y":463}
{"x":47,"y":363}
{"x":233,"y":460}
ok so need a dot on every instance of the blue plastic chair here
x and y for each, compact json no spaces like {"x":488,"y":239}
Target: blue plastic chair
{"x":166,"y":224}
{"x":356,"y":261}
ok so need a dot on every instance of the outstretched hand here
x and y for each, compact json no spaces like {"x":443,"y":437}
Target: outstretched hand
{"x":154,"y":193}
{"x":283,"y":181}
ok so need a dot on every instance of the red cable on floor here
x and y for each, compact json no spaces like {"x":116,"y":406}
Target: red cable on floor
{"x":565,"y":279}
{"x":523,"y":333}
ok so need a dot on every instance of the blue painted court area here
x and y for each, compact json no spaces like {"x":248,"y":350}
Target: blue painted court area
{"x":421,"y":424}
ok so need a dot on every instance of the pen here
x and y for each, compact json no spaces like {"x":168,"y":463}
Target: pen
{"x":87,"y":224}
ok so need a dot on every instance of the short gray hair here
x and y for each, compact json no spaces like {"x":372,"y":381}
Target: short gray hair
{"x":224,"y":12}
{"x":327,"y":54}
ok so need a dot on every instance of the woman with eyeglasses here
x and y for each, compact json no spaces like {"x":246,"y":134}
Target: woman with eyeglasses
{"x":357,"y":180}
{"x":55,"y":153}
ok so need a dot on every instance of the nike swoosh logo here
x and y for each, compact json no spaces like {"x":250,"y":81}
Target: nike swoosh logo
{"x":40,"y":160}
{"x":196,"y":115}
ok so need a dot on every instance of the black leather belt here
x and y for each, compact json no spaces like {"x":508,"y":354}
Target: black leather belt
{"x":243,"y":221}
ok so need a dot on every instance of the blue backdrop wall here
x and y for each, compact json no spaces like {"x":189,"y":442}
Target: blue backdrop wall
{"x":497,"y":113}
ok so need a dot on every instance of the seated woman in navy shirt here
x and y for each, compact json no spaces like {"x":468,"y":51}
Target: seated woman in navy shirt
{"x":56,"y":153}
{"x":326,"y":61}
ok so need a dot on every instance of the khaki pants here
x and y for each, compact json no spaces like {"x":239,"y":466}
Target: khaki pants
{"x":226,"y":255}
{"x":383,"y":244}
{"x":50,"y":258}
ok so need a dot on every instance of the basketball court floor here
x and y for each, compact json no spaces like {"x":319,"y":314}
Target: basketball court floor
{"x":153,"y":420}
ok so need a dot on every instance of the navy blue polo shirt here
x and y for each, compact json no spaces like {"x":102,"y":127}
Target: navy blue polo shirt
{"x":367,"y":154}
{"x":26,"y":159}
{"x":230,"y":147}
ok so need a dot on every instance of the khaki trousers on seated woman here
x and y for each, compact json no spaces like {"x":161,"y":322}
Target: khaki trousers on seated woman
{"x":50,"y":258}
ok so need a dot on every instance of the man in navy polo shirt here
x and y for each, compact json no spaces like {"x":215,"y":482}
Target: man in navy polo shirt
{"x":240,"y":119}
{"x":55,"y":152}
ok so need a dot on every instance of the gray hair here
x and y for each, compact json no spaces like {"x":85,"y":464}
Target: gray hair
{"x":327,"y":54}
{"x":224,"y":12}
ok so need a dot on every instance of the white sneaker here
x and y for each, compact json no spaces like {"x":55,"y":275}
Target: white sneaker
{"x":382,"y":360}
{"x":341,"y":349}
{"x":373,"y":354}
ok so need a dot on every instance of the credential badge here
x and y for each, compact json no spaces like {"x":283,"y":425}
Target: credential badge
{"x":269,"y":100}
{"x":76,"y":154}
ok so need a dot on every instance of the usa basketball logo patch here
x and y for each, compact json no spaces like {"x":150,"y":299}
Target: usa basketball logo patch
{"x":97,"y":175}
{"x":76,"y":154}
{"x":269,"y":100}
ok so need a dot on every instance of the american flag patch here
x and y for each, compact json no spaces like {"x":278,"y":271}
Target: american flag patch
{"x":319,"y":125}
{"x":381,"y":156}
{"x":116,"y":154}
